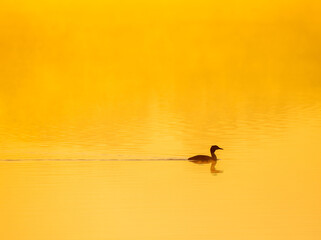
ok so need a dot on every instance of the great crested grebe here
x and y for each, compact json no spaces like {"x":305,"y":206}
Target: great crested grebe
{"x":205,"y":158}
{"x":200,"y":159}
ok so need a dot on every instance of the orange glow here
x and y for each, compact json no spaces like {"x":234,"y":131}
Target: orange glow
{"x":156,"y":80}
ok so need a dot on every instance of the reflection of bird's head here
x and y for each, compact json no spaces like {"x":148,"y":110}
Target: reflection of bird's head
{"x":215,"y":147}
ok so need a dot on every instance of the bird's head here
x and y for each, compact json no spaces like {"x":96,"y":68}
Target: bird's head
{"x":215,"y":147}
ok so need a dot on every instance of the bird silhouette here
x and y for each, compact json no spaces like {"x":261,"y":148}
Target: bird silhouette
{"x":203,"y":159}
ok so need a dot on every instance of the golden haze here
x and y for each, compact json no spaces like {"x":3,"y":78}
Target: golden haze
{"x":160,"y":79}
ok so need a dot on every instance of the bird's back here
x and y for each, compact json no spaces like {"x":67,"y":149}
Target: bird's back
{"x":201,"y":157}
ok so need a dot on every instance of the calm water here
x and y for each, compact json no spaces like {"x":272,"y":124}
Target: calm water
{"x":101,"y":104}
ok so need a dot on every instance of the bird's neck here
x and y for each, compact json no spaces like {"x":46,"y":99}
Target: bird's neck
{"x":214,"y":156}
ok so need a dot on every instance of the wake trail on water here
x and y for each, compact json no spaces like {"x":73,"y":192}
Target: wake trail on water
{"x":91,"y":160}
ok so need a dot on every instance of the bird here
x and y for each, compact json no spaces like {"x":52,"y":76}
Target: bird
{"x":206,"y":158}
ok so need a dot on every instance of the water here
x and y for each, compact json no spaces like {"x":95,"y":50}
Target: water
{"x":99,"y":112}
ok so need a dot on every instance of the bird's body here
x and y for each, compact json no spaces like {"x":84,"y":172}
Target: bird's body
{"x":205,"y":158}
{"x":201,"y":159}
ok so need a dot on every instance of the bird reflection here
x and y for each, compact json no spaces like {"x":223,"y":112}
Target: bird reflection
{"x":213,"y":169}
{"x":204,"y":159}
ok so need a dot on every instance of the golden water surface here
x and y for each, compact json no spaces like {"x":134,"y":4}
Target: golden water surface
{"x":101,"y":102}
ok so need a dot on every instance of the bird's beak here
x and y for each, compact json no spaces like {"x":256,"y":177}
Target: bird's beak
{"x":221,"y":148}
